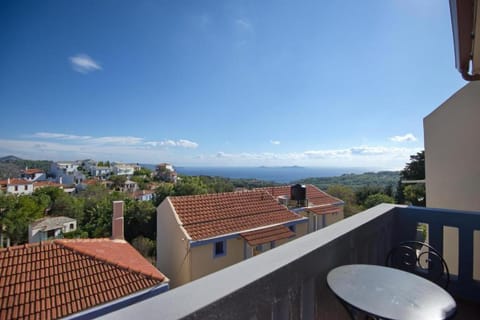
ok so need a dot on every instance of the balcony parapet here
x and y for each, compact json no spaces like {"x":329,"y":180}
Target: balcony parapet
{"x":289,"y":282}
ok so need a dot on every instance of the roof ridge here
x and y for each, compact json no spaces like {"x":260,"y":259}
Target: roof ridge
{"x":27,"y":245}
{"x":66,"y":245}
{"x":237,"y":217}
{"x":219,"y":193}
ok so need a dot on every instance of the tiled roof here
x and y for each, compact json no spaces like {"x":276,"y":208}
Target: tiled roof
{"x":14,"y":182}
{"x":140,"y":193}
{"x":267,"y":235}
{"x":40,"y":184}
{"x":32,"y":171}
{"x":212,"y":215}
{"x":49,"y":223}
{"x":315,"y":196}
{"x":325,"y":209}
{"x":55,"y":279}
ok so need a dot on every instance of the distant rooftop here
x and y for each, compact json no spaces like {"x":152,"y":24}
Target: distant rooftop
{"x":51,"y":223}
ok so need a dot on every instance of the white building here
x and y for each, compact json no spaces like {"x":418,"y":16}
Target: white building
{"x":96,"y":171}
{"x":33,"y":175}
{"x":16,"y":186}
{"x":66,"y":172}
{"x":50,"y":228}
{"x":122,"y":169}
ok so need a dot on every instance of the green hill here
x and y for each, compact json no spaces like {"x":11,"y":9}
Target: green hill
{"x":11,"y":166}
{"x":355,"y":181}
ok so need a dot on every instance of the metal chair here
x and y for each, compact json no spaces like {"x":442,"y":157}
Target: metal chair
{"x":421,"y":259}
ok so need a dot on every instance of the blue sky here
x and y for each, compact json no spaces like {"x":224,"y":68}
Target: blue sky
{"x":223,"y":83}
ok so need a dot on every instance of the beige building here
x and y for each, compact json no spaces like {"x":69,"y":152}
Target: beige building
{"x":319,"y":207}
{"x":198,"y":235}
{"x":452,"y":167}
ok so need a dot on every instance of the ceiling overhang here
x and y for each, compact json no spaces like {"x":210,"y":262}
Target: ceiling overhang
{"x":465,"y":15}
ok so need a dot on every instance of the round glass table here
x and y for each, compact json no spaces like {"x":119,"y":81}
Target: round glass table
{"x":390,"y":293}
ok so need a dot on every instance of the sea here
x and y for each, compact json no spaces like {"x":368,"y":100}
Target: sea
{"x":274,"y":174}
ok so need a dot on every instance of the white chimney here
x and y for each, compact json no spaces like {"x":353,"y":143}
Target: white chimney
{"x":117,"y":221}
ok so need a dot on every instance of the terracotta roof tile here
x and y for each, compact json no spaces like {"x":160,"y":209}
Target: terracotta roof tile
{"x":325,"y":209}
{"x":315,"y":196}
{"x":212,"y":215}
{"x":55,"y":279}
{"x":39,"y":184}
{"x":15,"y":181}
{"x":32,"y":171}
{"x":267,"y":235}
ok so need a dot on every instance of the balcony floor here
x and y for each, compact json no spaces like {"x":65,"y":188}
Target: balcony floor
{"x":467,"y":310}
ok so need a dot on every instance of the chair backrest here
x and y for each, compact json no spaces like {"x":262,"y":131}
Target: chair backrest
{"x":421,"y":259}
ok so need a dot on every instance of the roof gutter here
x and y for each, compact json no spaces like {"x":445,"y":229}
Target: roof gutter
{"x":465,"y":16}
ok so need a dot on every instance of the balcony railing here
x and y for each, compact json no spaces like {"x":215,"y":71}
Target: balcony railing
{"x":289,"y":282}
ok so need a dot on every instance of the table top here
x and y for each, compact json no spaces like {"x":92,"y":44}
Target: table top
{"x":390,"y":293}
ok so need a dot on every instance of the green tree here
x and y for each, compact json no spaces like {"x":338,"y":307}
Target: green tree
{"x":140,"y":219}
{"x":141,"y":181}
{"x":364,"y":192}
{"x":98,"y":219}
{"x":77,"y":234}
{"x":51,"y":192}
{"x":69,"y":206}
{"x":145,"y":246}
{"x":414,"y":170}
{"x":190,"y":186}
{"x":17,"y":213}
{"x":415,"y":194}
{"x":348,"y":196}
{"x":144,"y":172}
{"x":118,"y":181}
{"x":376,"y":199}
{"x":162,"y":191}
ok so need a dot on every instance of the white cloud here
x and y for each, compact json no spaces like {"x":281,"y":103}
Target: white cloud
{"x":61,"y":146}
{"x":113,"y":140}
{"x":179,"y":143}
{"x":84,"y":64}
{"x":127,"y":140}
{"x":404,"y":138}
{"x":275,"y":142}
{"x":358,"y":156}
{"x":52,"y":135}
{"x":187,"y":144}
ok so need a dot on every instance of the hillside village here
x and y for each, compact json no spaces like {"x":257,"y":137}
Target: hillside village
{"x":94,"y":208}
{"x":91,"y":207}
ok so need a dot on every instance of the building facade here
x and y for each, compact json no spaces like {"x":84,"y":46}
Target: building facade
{"x":198,"y":235}
{"x":452,"y":171}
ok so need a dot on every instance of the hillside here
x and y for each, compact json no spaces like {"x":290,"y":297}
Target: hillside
{"x":356,"y":181}
{"x":11,"y":166}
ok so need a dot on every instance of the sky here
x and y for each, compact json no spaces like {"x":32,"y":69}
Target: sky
{"x":223,"y":83}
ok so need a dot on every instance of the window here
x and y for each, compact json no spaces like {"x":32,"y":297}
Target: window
{"x":16,"y":188}
{"x":72,"y":226}
{"x":25,"y":187}
{"x":219,"y":248}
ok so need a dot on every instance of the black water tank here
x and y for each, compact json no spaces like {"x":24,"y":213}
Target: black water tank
{"x":298,"y":192}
